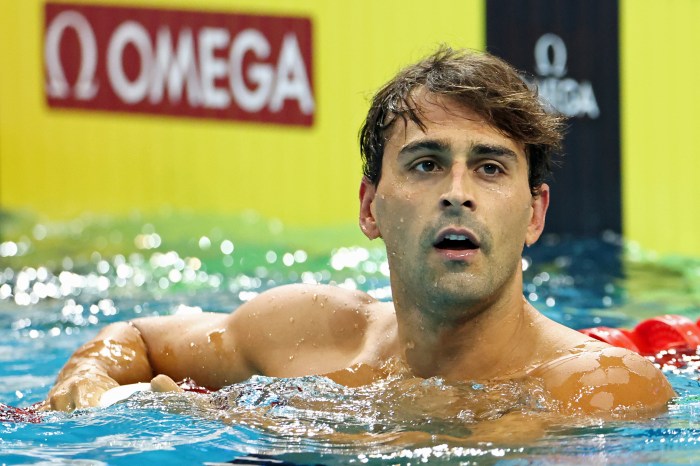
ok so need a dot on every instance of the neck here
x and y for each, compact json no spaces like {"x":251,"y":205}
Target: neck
{"x":483,"y":342}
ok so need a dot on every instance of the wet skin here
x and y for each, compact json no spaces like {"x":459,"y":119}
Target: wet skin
{"x":454,"y":209}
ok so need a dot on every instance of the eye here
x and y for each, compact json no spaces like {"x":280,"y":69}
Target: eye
{"x":490,"y":169}
{"x":426,"y":166}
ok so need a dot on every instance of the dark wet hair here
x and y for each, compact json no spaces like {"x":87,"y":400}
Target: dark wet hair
{"x":482,"y":82}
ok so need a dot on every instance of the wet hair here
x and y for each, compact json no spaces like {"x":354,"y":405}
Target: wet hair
{"x":481,"y":82}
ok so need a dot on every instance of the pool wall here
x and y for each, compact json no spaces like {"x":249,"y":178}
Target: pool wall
{"x":64,"y":152}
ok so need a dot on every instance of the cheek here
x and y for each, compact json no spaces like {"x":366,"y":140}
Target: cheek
{"x":523,"y":214}
{"x":523,"y":210}
{"x":515,"y":216}
{"x":519,"y":200}
{"x":395,"y":214}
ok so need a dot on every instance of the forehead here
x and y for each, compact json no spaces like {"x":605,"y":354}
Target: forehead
{"x":444,"y":118}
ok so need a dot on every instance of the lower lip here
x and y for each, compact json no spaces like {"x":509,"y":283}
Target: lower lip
{"x":457,"y":254}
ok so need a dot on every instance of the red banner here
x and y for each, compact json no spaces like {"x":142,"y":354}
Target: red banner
{"x":184,"y":63}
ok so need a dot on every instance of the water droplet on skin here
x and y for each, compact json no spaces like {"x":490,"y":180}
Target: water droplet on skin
{"x":215,"y":337}
{"x":314,"y":297}
{"x":291,"y":320}
{"x":410,"y":344}
{"x":291,"y":357}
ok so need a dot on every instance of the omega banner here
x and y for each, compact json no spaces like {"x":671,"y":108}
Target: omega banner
{"x":184,"y":63}
{"x":569,"y":50}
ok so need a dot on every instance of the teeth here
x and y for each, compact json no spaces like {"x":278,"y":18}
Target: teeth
{"x":456,"y":237}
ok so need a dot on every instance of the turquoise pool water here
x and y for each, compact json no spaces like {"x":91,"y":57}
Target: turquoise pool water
{"x":60,"y":283}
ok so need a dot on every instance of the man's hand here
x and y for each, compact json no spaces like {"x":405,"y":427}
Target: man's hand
{"x":116,"y":356}
{"x":81,"y":390}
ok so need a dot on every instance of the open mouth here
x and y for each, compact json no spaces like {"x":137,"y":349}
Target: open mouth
{"x":456,"y":242}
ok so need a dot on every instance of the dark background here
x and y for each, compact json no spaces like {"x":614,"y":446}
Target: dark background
{"x":586,"y":195}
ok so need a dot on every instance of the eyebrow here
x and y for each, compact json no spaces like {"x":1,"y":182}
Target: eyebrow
{"x":442,"y":146}
{"x":493,"y":150}
{"x":425,"y":145}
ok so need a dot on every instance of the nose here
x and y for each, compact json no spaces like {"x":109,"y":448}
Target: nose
{"x":458,"y":193}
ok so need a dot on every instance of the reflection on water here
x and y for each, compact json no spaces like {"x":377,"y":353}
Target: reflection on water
{"x":397,"y":404}
{"x":61,"y":282}
{"x":400,"y":412}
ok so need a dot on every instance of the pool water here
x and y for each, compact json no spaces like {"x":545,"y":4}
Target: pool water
{"x":61,"y":282}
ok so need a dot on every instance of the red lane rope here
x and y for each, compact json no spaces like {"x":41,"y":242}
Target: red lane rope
{"x":653,"y":337}
{"x":12,"y":414}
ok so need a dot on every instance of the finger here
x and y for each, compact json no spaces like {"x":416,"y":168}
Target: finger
{"x":43,"y":405}
{"x":62,"y":401}
{"x":86,"y":394}
{"x":163,"y":383}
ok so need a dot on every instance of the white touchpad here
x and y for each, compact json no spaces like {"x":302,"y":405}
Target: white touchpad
{"x":122,"y":392}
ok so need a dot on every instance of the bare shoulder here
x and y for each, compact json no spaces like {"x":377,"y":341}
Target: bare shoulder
{"x":312,"y":304}
{"x":307,"y":329}
{"x":287,"y":331}
{"x":598,"y":378}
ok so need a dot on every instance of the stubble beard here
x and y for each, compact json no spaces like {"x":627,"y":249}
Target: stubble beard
{"x":452,"y":293}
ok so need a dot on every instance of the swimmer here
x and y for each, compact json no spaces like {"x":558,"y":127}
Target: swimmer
{"x":456,"y":149}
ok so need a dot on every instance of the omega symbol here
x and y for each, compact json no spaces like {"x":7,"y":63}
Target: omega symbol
{"x":556,"y":65}
{"x":85,"y":87}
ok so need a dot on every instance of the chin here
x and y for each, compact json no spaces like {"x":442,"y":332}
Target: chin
{"x":458,"y":293}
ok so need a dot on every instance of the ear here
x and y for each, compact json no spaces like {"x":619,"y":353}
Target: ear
{"x":368,"y":224}
{"x":540,"y":202}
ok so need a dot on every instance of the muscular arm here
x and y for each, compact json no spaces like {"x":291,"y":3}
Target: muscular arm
{"x":130,"y":352}
{"x":117,"y":355}
{"x":288,"y":331}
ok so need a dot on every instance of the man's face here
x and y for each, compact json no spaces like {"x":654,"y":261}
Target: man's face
{"x":454,"y":208}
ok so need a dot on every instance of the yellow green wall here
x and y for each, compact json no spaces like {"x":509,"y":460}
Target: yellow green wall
{"x":660,"y":74}
{"x":61,"y":163}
